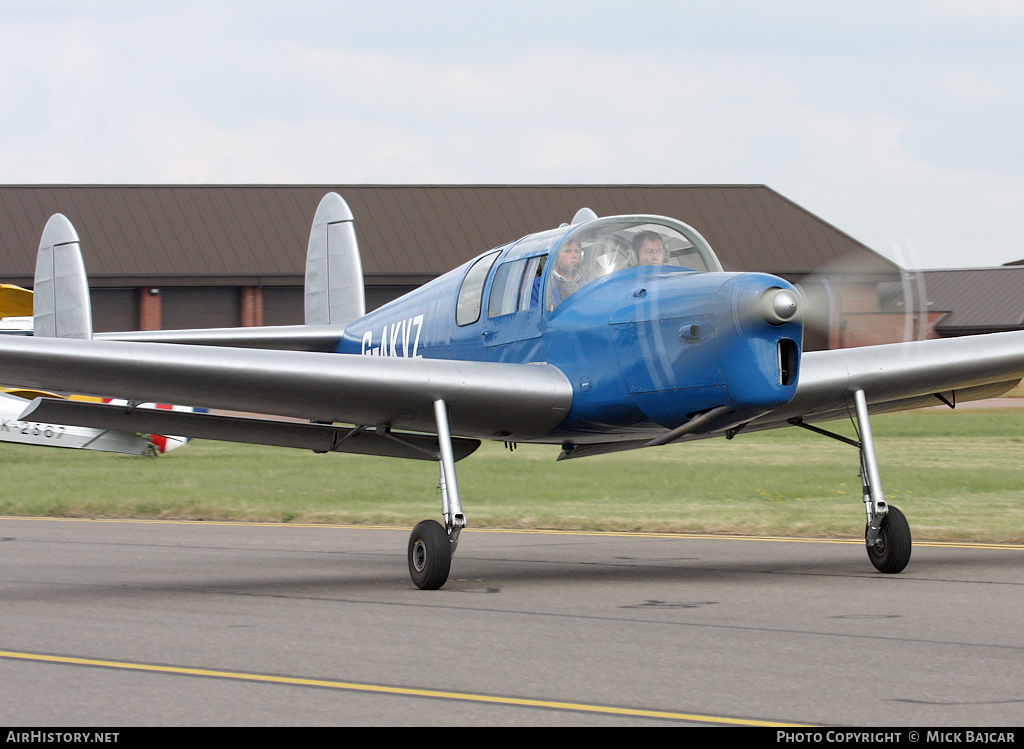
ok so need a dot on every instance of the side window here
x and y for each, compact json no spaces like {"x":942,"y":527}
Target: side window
{"x":505,"y":288}
{"x":467,"y":310}
{"x":516,"y":286}
{"x":529,"y":291}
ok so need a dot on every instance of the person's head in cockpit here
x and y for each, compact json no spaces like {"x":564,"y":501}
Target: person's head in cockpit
{"x":567,"y":264}
{"x":565,"y":275}
{"x":649,"y":248}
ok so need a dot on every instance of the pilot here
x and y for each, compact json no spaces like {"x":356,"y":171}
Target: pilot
{"x":565,"y":276}
{"x":649,"y":248}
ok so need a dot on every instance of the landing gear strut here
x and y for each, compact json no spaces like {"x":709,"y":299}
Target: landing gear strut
{"x":886,"y":532}
{"x":432,"y":545}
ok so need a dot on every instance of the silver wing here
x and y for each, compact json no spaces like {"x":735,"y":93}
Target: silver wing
{"x":514,"y":402}
{"x":899,"y":376}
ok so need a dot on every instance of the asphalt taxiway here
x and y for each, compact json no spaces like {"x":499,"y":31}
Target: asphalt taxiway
{"x":121,"y":623}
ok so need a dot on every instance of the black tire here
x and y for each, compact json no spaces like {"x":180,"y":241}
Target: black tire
{"x":430,"y":555}
{"x":891,"y":553}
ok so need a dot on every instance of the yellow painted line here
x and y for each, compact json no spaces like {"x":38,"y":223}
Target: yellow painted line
{"x":730,"y":537}
{"x":172,"y":522}
{"x":397,"y":691}
{"x":529,"y":531}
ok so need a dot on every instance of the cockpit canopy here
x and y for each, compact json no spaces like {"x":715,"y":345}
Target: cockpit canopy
{"x":599,"y":248}
{"x":570,"y":257}
{"x":614,"y":243}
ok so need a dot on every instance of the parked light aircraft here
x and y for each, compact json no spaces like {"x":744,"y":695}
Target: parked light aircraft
{"x":563,"y":337}
{"x":13,"y":428}
{"x":16,"y":307}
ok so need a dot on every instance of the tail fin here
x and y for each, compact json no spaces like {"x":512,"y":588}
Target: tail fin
{"x":334,"y":272}
{"x":61,"y":307}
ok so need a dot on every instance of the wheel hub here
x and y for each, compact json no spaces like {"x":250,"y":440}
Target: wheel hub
{"x":879,"y":547}
{"x":419,"y":555}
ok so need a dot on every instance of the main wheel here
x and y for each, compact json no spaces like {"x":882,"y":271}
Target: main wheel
{"x":430,"y":555}
{"x":891,"y":551}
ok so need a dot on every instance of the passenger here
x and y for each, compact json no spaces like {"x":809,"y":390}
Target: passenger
{"x":565,"y":276}
{"x":649,"y":248}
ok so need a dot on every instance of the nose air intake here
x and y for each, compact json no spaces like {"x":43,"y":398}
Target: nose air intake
{"x":789,"y":356}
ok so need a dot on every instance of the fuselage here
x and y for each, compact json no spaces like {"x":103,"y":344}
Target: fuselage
{"x":645,"y":347}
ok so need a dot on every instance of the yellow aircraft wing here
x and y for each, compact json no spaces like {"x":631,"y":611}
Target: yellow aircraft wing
{"x":15,"y":301}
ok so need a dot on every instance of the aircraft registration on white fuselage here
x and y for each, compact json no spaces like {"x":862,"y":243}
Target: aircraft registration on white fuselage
{"x":16,"y":318}
{"x":603,"y":334}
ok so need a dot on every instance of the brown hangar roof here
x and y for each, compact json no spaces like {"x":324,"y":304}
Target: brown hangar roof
{"x":237,"y":234}
{"x":977,"y":299}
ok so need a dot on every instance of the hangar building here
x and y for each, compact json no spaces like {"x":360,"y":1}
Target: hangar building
{"x":186,"y":256}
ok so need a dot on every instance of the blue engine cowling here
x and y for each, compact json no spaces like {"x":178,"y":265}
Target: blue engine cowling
{"x":687,"y":342}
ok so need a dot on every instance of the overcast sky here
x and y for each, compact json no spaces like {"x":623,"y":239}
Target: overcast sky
{"x":898,"y":122}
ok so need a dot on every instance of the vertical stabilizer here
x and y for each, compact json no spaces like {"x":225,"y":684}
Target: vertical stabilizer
{"x":60,"y":303}
{"x":334,"y":272}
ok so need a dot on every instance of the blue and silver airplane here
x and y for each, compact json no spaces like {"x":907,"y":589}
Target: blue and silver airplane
{"x":604,"y":334}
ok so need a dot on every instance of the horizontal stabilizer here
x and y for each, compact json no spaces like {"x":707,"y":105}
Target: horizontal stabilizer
{"x":316,"y":437}
{"x":282,"y":337}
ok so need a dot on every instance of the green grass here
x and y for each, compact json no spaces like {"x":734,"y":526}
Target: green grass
{"x":957,"y":476}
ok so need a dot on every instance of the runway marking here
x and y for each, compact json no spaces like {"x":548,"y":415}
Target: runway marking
{"x":533,"y":531}
{"x":398,"y":691}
